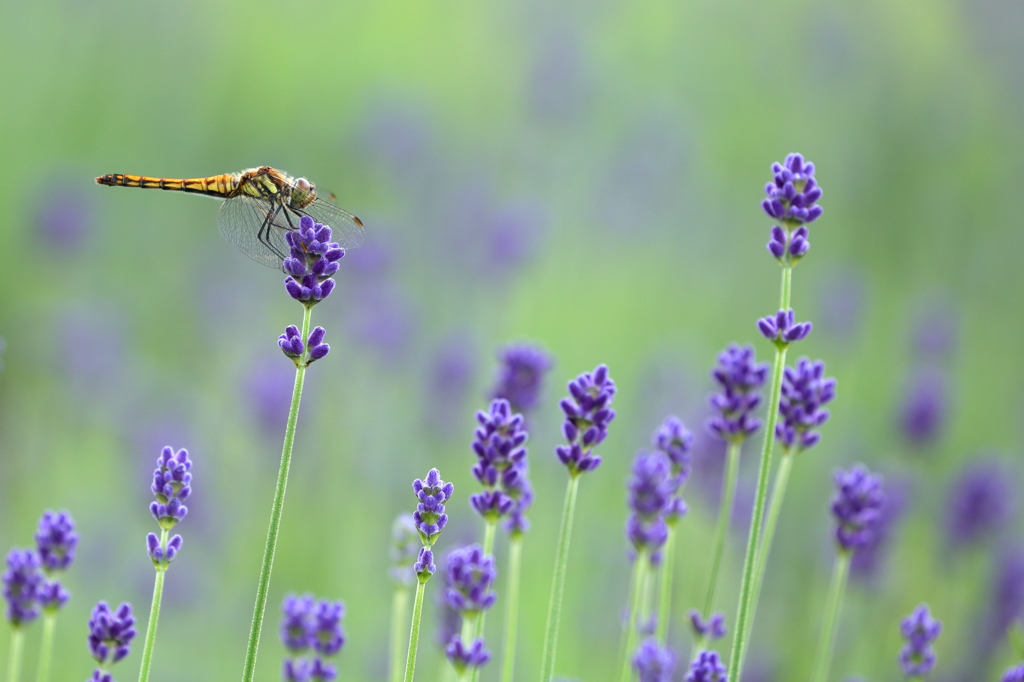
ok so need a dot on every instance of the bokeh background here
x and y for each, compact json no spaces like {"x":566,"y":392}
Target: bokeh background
{"x":583,"y":175}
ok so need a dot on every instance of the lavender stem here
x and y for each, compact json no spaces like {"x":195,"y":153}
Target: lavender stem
{"x":547,"y":667}
{"x":515,"y":553}
{"x":641,"y":569}
{"x":746,"y":605}
{"x":399,"y":606}
{"x":14,"y":654}
{"x":46,"y":647}
{"x":834,"y":602}
{"x":414,"y":632}
{"x":154,"y":614}
{"x":275,"y":513}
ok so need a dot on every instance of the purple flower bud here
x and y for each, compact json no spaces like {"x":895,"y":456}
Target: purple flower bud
{"x":675,"y":440}
{"x":470,"y":574}
{"x":52,"y":596}
{"x":653,"y":663}
{"x":463,"y":657}
{"x":707,"y":667}
{"x":171,"y":486}
{"x":711,"y":629}
{"x":587,"y":412}
{"x":328,"y":633}
{"x":317,"y":348}
{"x":856,"y":506}
{"x":430,"y":517}
{"x":924,"y":408}
{"x":297,"y":627}
{"x":162,"y":557}
{"x":782,"y":330}
{"x":805,"y":390}
{"x":424,"y":566}
{"x":295,"y":670}
{"x":291,"y":342}
{"x":321,"y":671}
{"x":980,"y":502}
{"x":99,"y":675}
{"x":740,"y":378}
{"x":919,"y":631}
{"x":312,"y":259}
{"x":793,"y":194}
{"x":56,"y":540}
{"x":111,"y":632}
{"x":23,"y":580}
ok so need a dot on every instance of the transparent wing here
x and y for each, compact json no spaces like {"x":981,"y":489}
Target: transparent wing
{"x":243,"y":220}
{"x":346,"y":229}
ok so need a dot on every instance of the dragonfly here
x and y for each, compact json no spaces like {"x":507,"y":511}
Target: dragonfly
{"x":261,"y":205}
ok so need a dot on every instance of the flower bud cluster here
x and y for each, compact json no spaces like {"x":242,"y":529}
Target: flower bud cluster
{"x":499,"y":444}
{"x":857,"y":507}
{"x":805,"y":390}
{"x":291,"y":344}
{"x":782,"y":329}
{"x":587,"y":415}
{"x":172,"y":484}
{"x":740,"y":378}
{"x":312,"y":627}
{"x":312,"y":260}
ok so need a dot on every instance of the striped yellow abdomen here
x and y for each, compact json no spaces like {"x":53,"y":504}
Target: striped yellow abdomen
{"x":216,"y":185}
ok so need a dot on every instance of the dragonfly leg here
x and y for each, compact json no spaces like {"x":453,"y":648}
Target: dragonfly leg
{"x":264,"y":234}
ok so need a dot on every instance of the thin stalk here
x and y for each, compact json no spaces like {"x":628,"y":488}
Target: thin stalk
{"x":154,"y":615}
{"x":46,"y":647}
{"x":640,"y":568}
{"x":14,"y":653}
{"x":772,"y":521}
{"x":665,"y":586}
{"x":399,"y":605}
{"x":490,"y":526}
{"x":834,"y":602}
{"x":722,"y":524}
{"x":414,"y":632}
{"x":547,"y":666}
{"x":263,"y":586}
{"x":631,"y":607}
{"x":746,"y":605}
{"x":508,"y":656}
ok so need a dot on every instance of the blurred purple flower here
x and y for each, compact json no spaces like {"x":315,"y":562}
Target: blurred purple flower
{"x":924,"y":408}
{"x":56,"y":540}
{"x":654,"y":663}
{"x":1007,"y":598}
{"x":452,"y":371}
{"x":463,"y":656}
{"x":91,"y":347}
{"x":22,"y":582}
{"x":707,"y":667}
{"x":268,"y":391}
{"x":856,"y":506}
{"x":841,"y":305}
{"x":868,"y":559}
{"x":521,"y":375}
{"x":935,"y":335}
{"x":919,"y":631}
{"x":981,"y":501}
{"x":66,"y":218}
{"x":382,"y":319}
{"x":111,"y":632}
{"x":510,"y":235}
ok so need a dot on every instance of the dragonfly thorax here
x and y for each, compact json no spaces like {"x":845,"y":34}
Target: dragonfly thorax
{"x":303,"y":193}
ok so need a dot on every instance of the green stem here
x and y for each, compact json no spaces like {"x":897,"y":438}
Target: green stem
{"x":275,"y":512}
{"x":640,"y":570}
{"x":771,"y":523}
{"x":746,"y":605}
{"x":46,"y":647}
{"x":154,"y":615}
{"x":547,"y":666}
{"x":722,"y":524}
{"x":827,"y":640}
{"x":399,"y":605}
{"x":634,"y":599}
{"x":508,"y":656}
{"x":14,"y":653}
{"x":665,"y":588}
{"x":414,"y":632}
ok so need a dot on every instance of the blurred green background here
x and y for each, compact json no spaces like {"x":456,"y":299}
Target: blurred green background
{"x":584,"y":175}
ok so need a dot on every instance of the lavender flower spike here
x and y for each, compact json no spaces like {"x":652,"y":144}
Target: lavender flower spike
{"x":328,"y":633}
{"x":793,"y":193}
{"x":587,"y":415}
{"x":712,"y":628}
{"x":171,"y":486}
{"x":22,"y":582}
{"x":56,"y":540}
{"x":675,"y":440}
{"x":111,"y":632}
{"x":805,"y":390}
{"x":471,"y":573}
{"x":740,"y":378}
{"x":429,"y":516}
{"x":707,"y":667}
{"x":297,"y":625}
{"x":653,"y":663}
{"x":782,"y":330}
{"x":521,"y":377}
{"x":1014,"y":674}
{"x":920,"y":631}
{"x":651,"y":490}
{"x":312,"y":260}
{"x":501,"y":455}
{"x":857,"y":507}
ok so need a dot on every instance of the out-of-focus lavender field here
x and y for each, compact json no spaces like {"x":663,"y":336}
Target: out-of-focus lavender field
{"x":586,"y":176}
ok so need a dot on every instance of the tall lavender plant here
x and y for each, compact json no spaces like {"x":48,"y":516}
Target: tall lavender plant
{"x":792,"y":201}
{"x":56,"y":542}
{"x":311,"y":262}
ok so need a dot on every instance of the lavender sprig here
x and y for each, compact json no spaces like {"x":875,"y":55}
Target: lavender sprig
{"x":654,"y":663}
{"x":521,"y":375}
{"x":471,"y":574}
{"x":56,"y":541}
{"x":22,"y":582}
{"x":919,"y":631}
{"x":588,"y":413}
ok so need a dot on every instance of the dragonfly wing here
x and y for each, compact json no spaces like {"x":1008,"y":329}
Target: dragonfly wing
{"x":256,"y":227}
{"x":345,"y":227}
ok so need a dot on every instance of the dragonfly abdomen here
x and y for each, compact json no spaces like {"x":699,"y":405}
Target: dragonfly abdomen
{"x":215,"y":185}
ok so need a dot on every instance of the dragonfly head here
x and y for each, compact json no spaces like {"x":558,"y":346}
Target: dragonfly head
{"x":303,"y":193}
